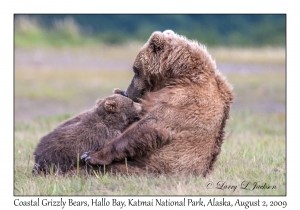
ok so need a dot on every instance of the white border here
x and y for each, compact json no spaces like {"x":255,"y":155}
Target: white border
{"x":8,"y":8}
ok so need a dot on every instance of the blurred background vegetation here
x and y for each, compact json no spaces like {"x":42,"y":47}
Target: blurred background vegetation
{"x":213,"y":30}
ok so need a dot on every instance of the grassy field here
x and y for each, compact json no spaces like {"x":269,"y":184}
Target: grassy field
{"x":54,"y":84}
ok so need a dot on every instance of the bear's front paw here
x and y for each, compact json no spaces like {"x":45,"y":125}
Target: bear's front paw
{"x":95,"y":158}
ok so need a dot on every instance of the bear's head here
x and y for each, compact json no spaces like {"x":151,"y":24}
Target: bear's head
{"x":166,"y":59}
{"x":118,"y":111}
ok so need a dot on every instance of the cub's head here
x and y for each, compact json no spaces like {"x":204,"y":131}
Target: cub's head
{"x":118,"y":111}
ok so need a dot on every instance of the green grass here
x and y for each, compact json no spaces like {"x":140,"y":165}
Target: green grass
{"x":45,"y":95}
{"x":255,"y":153}
{"x":249,"y":55}
{"x":78,"y":81}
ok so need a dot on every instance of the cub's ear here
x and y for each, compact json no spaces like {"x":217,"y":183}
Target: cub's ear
{"x":111,"y":106}
{"x":157,"y":41}
{"x":98,"y":102}
{"x":118,"y":91}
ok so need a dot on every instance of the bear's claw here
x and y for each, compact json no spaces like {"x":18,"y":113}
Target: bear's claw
{"x":36,"y":169}
{"x":85,"y":156}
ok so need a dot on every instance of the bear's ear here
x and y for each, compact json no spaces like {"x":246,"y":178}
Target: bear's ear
{"x":111,"y":106}
{"x":156,"y":41}
{"x":168,"y":32}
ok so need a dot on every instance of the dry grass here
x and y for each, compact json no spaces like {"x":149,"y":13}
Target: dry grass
{"x":250,"y":55}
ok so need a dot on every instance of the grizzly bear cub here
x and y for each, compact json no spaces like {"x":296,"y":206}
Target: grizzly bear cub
{"x":88,"y":131}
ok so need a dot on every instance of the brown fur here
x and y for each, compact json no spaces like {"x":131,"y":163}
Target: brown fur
{"x":87,"y":131}
{"x":186,"y":103}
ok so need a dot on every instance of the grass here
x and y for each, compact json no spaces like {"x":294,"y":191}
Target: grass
{"x":255,"y":154}
{"x":32,"y":88}
{"x":47,"y":93}
{"x":249,"y":55}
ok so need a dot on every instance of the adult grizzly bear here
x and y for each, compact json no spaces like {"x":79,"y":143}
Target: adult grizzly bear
{"x":186,"y":102}
{"x":89,"y":130}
